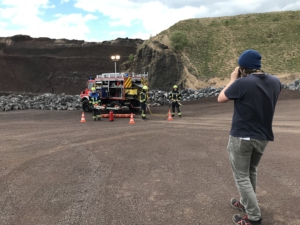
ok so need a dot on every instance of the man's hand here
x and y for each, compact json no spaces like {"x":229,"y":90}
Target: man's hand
{"x":235,"y":74}
{"x":233,"y":77}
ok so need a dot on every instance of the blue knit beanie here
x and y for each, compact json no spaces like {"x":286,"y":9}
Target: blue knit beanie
{"x":250,"y":59}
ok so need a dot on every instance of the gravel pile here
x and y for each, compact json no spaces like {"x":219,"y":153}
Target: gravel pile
{"x":295,"y":85}
{"x":162,"y":98}
{"x":45,"y":102}
{"x":72,"y":102}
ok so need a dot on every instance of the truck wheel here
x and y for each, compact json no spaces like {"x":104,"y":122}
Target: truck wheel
{"x":85,"y":106}
{"x":114,"y":103}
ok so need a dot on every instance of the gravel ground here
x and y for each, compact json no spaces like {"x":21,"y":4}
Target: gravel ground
{"x":55,"y":170}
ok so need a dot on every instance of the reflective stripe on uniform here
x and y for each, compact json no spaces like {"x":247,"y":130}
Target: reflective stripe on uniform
{"x":143,"y":97}
{"x":177,"y":95}
{"x":143,"y":113}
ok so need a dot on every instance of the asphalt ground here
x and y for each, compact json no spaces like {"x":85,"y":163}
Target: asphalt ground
{"x":55,"y":170}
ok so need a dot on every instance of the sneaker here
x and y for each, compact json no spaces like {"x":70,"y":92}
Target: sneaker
{"x":237,"y":205}
{"x":238,"y":220}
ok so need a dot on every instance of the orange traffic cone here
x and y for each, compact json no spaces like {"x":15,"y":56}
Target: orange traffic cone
{"x":170,"y":115}
{"x":131,"y":121}
{"x":82,"y":118}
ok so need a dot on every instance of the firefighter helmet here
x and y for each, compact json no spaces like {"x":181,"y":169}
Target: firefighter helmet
{"x":145,"y":87}
{"x":175,"y":86}
{"x":93,"y":89}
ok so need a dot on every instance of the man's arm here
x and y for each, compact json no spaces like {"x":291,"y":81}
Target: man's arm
{"x":143,"y":98}
{"x":222,"y":97}
{"x":179,"y":96}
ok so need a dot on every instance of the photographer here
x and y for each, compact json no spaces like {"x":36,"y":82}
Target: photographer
{"x":255,"y":95}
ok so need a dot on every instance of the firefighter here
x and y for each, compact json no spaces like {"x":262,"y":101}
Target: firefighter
{"x":143,"y":101}
{"x":175,"y":97}
{"x":94,"y":100}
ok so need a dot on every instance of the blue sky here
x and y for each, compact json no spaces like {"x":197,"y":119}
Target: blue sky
{"x":104,"y":20}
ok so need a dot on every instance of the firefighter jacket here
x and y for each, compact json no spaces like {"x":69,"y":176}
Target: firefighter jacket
{"x":144,"y":97}
{"x":175,"y":95}
{"x":94,"y":98}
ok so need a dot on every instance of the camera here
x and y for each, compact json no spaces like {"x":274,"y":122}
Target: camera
{"x":239,"y":73}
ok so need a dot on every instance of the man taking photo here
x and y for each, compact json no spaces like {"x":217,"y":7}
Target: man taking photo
{"x":255,"y":95}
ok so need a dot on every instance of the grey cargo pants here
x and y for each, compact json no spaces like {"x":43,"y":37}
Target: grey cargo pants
{"x":244,"y":156}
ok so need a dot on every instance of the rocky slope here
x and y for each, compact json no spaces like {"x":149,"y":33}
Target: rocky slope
{"x":163,"y":65}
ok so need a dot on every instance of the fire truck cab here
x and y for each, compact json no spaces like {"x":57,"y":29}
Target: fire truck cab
{"x":117,"y":90}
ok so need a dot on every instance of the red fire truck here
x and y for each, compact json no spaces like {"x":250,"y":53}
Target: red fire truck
{"x":117,"y":90}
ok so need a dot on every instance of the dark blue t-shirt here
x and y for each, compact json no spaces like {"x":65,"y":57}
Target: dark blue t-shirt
{"x":255,"y":98}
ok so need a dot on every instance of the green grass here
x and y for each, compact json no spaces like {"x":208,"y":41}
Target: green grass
{"x":214,"y":44}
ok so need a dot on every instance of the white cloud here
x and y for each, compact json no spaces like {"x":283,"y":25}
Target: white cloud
{"x":141,"y":35}
{"x":158,"y":15}
{"x":23,"y":12}
{"x":154,"y":16}
{"x":27,"y":15}
{"x":124,"y":18}
{"x":20,"y":2}
{"x":3,"y":24}
{"x":118,"y":33}
{"x":72,"y":26}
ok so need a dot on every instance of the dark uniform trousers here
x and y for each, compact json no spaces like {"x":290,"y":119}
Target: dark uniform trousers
{"x":143,"y":104}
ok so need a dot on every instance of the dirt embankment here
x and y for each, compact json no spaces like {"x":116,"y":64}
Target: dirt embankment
{"x":40,"y":65}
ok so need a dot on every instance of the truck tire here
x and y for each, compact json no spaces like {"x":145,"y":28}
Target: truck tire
{"x":114,"y":103}
{"x":86,"y":106}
